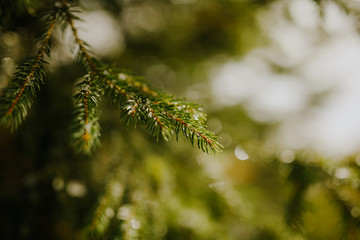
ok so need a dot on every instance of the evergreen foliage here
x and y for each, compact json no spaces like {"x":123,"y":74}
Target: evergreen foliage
{"x":162,"y":114}
{"x":134,"y":188}
{"x":19,"y":96}
{"x":86,"y":127}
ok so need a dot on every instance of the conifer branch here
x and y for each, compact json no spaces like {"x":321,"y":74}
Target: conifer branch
{"x":205,"y":139}
{"x":161,"y":113}
{"x":83,"y":55}
{"x":89,"y":92}
{"x":17,"y":99}
{"x":86,"y":128}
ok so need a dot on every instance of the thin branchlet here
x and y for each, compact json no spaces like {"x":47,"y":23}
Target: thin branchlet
{"x":35,"y":66}
{"x":85,"y":126}
{"x":89,"y":139}
{"x":18,"y":97}
{"x":83,"y":51}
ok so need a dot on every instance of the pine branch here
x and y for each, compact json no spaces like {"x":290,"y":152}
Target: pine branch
{"x":162,"y":114}
{"x":83,"y":54}
{"x":158,"y":122}
{"x":18,"y":97}
{"x":85,"y":127}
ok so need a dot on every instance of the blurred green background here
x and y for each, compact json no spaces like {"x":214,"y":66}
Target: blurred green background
{"x":279,"y":82}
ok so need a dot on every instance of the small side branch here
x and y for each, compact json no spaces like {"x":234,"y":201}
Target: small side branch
{"x":84,"y":53}
{"x":86,"y":127}
{"x":206,"y":140}
{"x":18,"y":97}
{"x":35,"y":66}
